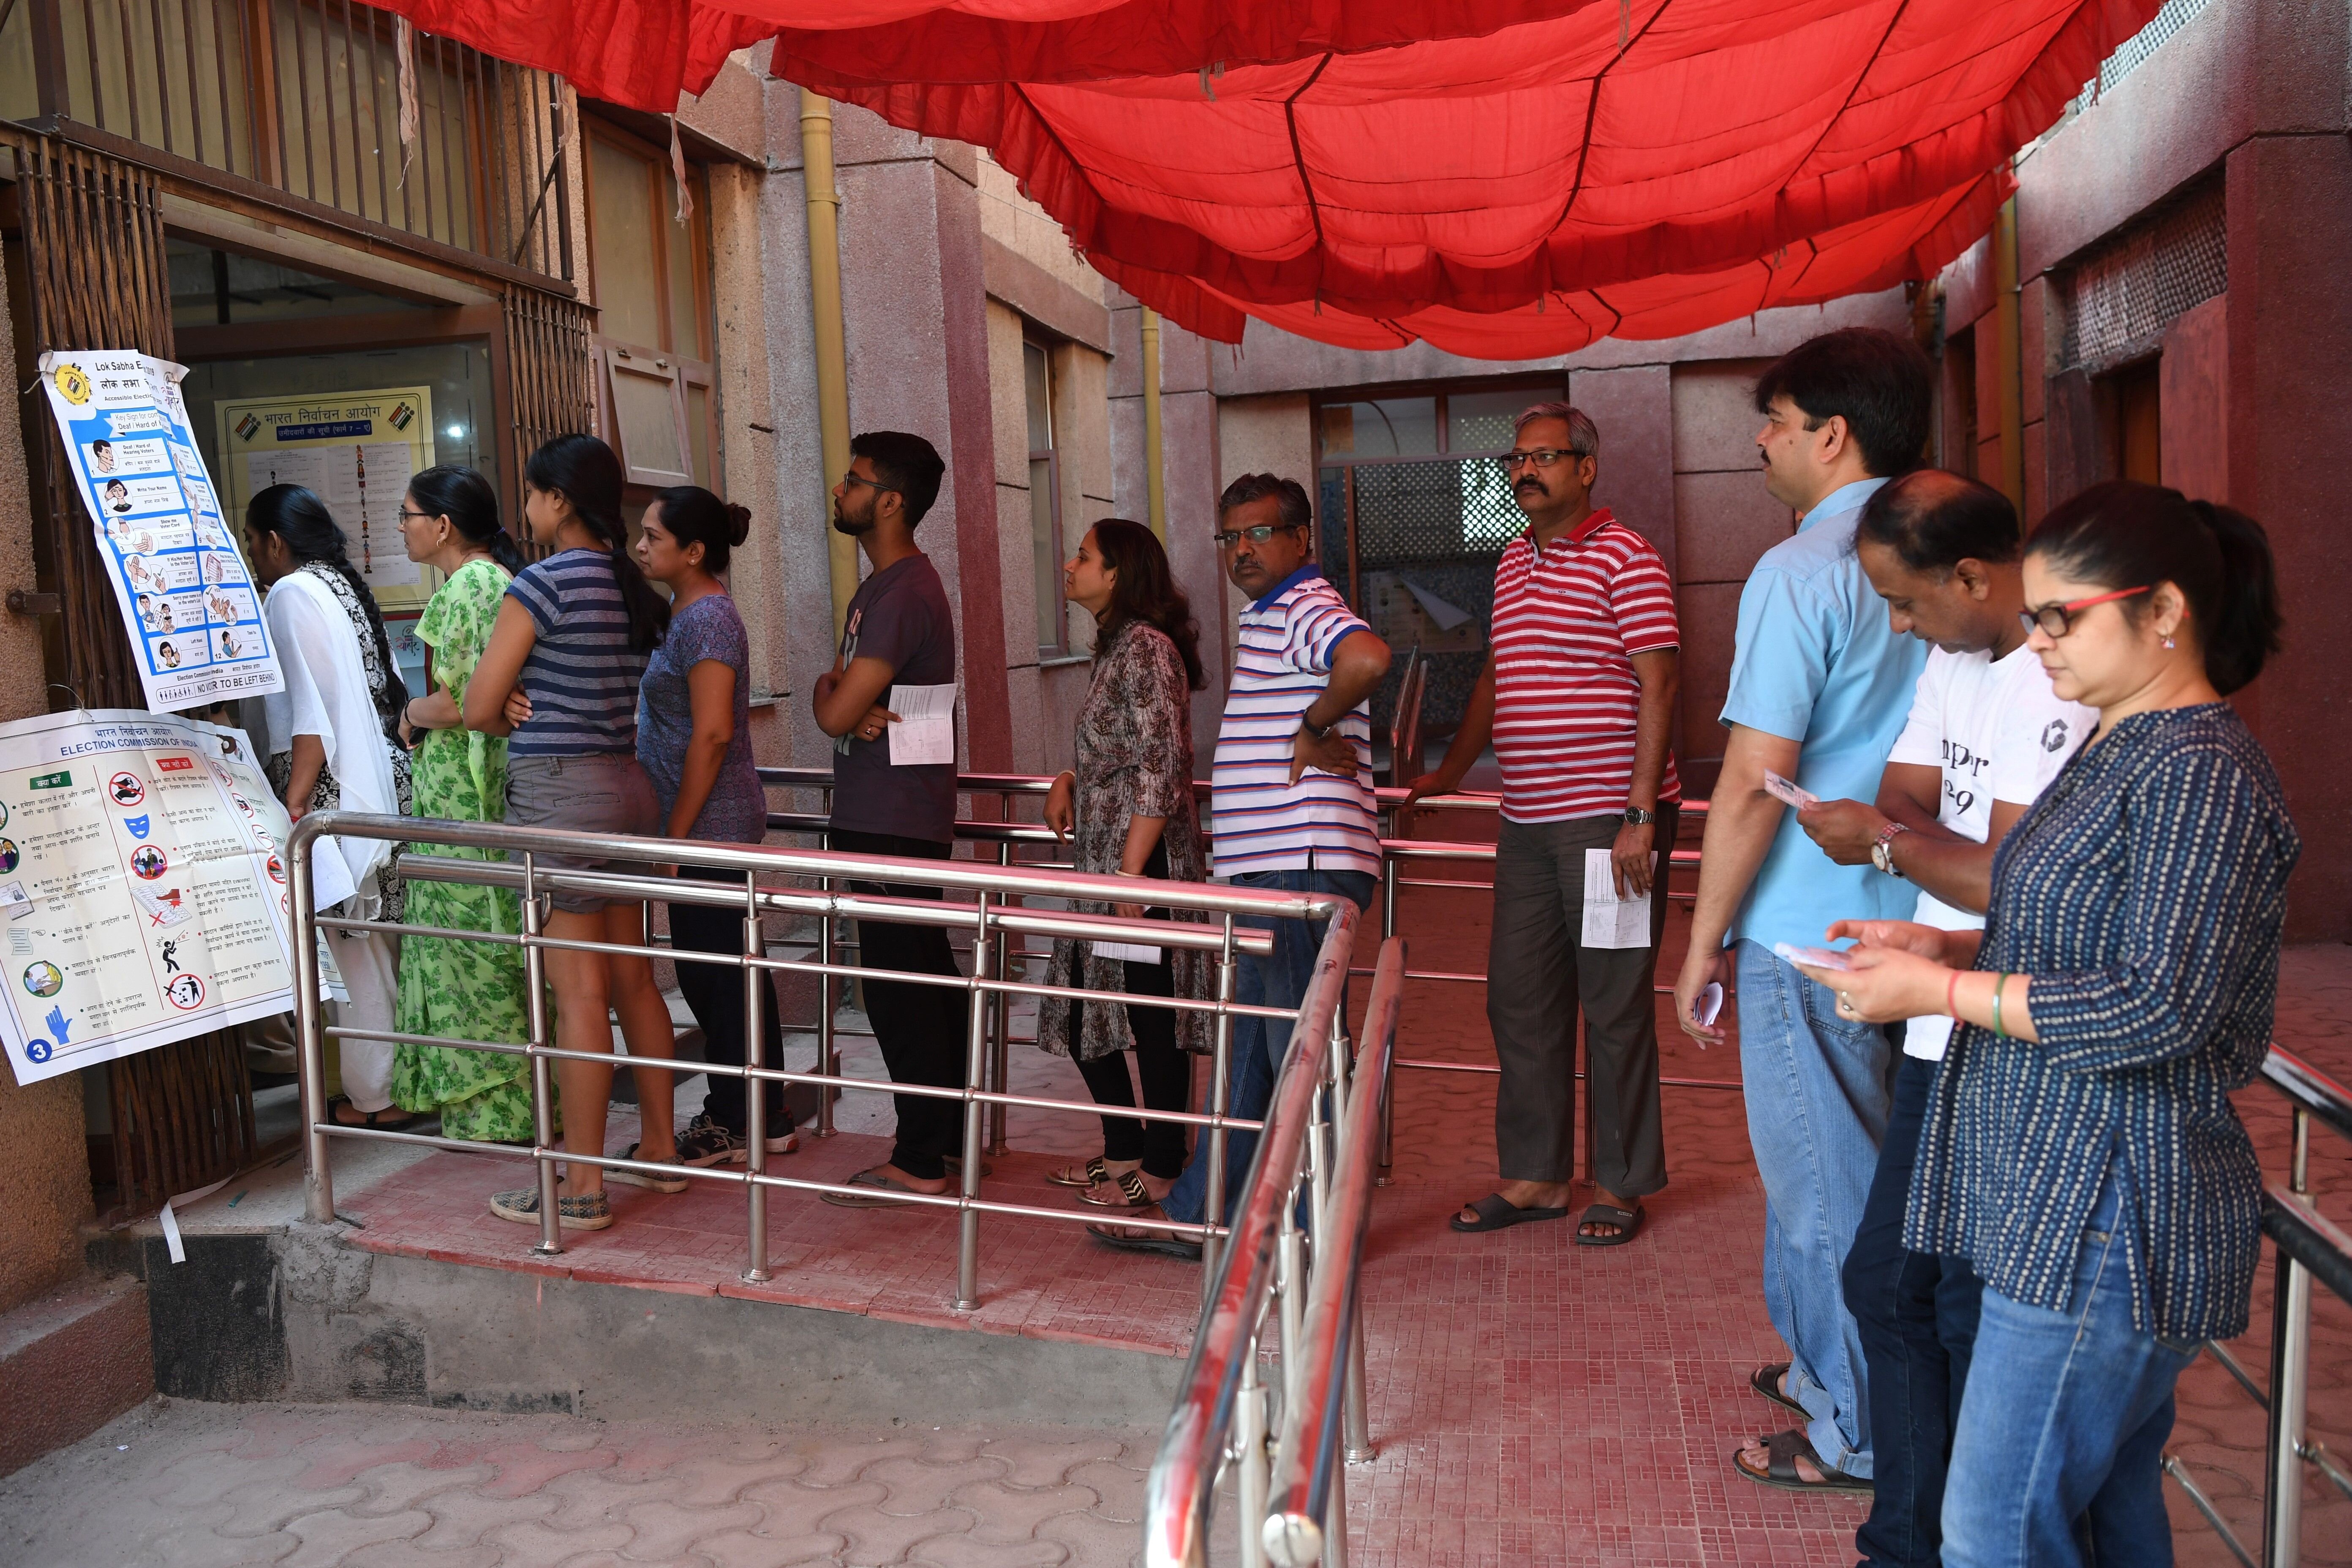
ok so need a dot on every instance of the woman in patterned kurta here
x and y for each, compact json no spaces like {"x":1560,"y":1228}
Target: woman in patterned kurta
{"x":1131,"y":802}
{"x":468,"y":990}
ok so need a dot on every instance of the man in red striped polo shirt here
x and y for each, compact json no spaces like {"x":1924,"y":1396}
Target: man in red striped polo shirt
{"x":1578,"y":698}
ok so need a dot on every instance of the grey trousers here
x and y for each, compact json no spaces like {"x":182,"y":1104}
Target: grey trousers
{"x":1538,"y":972}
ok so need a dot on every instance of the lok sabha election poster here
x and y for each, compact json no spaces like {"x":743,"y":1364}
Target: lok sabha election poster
{"x":144,"y":888}
{"x":355,"y":451}
{"x":194,"y":615}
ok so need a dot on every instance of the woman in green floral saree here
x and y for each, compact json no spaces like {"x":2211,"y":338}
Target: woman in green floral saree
{"x":465,"y":990}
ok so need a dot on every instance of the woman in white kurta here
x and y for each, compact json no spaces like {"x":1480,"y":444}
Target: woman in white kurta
{"x":331,"y":746}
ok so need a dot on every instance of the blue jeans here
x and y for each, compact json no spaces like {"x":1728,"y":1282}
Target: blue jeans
{"x":1277,"y":980}
{"x":1818,"y":1089}
{"x":1917,"y":1316}
{"x":2058,"y":1459}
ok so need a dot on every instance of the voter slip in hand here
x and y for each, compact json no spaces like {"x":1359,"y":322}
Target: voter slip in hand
{"x":925,"y":733}
{"x":1780,"y":789}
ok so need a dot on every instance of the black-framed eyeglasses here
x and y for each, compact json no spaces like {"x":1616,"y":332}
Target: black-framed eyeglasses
{"x":2057,"y":620}
{"x":1542,"y":457}
{"x":407,"y":512}
{"x":870,"y":484}
{"x":1257,"y":534}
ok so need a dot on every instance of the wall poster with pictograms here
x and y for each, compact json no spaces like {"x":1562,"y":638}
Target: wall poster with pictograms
{"x":145,"y":894}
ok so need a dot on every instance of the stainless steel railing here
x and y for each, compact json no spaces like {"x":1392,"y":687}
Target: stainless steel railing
{"x":1314,"y":1154}
{"x":2310,"y":1247}
{"x":994,"y":913}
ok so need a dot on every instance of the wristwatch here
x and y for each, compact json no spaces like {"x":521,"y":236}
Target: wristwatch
{"x":1635,"y":816}
{"x":1882,"y":854}
{"x":1314,"y":731}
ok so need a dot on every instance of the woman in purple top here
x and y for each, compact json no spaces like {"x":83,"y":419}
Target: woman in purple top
{"x":694,"y":739}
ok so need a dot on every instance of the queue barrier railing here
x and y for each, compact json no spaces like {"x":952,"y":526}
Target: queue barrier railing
{"x":2310,"y":1248}
{"x":994,"y":911}
{"x":1315,"y":1162}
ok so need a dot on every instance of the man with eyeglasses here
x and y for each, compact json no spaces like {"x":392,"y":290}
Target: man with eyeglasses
{"x":1292,"y":798}
{"x":1986,"y":736}
{"x":1578,"y":696}
{"x":898,"y":631}
{"x":1821,"y":685}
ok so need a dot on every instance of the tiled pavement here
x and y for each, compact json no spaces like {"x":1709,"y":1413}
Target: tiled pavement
{"x":1534,"y":1401}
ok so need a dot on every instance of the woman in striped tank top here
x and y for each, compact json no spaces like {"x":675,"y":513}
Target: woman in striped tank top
{"x":559,"y":680}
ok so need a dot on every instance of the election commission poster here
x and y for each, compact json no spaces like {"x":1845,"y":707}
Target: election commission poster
{"x":144,"y":888}
{"x":355,"y":451}
{"x":194,"y":615}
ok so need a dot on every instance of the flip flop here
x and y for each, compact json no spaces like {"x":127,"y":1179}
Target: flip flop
{"x":1496,"y":1212}
{"x":880,"y":1183}
{"x":1158,"y":1242}
{"x":1785,"y":1448}
{"x":1766,"y":1380}
{"x":407,"y":1123}
{"x":1627,"y":1221}
{"x":1093,"y":1171}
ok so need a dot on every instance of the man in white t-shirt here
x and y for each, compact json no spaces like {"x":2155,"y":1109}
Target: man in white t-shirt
{"x":1986,"y":736}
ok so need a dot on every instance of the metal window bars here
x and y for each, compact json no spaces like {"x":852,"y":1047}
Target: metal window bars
{"x":995,"y":913}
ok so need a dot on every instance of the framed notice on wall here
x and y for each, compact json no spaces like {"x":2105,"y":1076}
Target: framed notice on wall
{"x":356,"y":451}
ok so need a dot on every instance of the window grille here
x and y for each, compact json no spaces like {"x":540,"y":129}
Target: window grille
{"x":2131,"y":289}
{"x":2135,"y":49}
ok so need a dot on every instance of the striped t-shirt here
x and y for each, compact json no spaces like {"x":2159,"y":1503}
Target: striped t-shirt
{"x":581,"y":676}
{"x":1567,"y":620}
{"x":1263,"y":821}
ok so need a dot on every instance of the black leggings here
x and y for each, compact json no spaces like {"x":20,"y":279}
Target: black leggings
{"x":715,"y":993}
{"x":1167,"y":1075}
{"x":1166,"y":1072}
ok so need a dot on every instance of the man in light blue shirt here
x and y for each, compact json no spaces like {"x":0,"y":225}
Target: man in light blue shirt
{"x":1821,"y":686}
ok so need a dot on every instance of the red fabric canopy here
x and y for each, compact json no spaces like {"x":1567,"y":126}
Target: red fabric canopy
{"x":1526,"y":177}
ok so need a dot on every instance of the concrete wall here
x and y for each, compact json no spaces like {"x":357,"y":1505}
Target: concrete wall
{"x":46,"y":1194}
{"x":2252,"y":407}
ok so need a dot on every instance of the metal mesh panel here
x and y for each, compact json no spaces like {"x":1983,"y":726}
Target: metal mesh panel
{"x":2135,"y":50}
{"x":2129,"y":290}
{"x":1444,"y":510}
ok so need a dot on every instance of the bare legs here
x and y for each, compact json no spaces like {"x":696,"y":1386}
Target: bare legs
{"x":589,"y":987}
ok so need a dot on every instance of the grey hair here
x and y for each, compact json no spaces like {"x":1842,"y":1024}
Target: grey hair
{"x":1289,"y":497}
{"x":1583,"y":436}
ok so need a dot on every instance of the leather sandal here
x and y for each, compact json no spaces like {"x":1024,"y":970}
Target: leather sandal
{"x":1784,"y":1449}
{"x":1127,"y":1192}
{"x":1766,"y":1380}
{"x":1094,"y":1173}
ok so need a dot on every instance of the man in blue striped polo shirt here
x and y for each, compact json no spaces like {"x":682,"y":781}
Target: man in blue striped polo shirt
{"x":1292,"y":804}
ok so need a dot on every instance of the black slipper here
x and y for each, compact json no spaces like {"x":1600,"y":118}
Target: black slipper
{"x":1785,"y":1449}
{"x":1159,"y":1242}
{"x":1496,"y":1212}
{"x":407,"y":1123}
{"x":1627,"y":1221}
{"x":1766,"y":1380}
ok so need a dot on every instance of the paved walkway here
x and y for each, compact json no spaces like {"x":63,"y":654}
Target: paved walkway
{"x":1534,"y":1401}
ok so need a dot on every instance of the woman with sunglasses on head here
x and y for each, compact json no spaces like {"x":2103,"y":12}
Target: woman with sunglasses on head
{"x":2079,"y":1147}
{"x":1129,"y":803}
{"x":694,"y":739}
{"x":559,"y":680}
{"x":456,"y":989}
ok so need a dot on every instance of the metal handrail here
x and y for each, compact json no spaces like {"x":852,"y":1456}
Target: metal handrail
{"x":2310,"y":1247}
{"x":1306,"y":1499}
{"x":1264,"y":1260}
{"x":993,"y":888}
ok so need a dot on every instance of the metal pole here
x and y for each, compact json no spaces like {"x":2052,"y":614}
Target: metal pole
{"x":542,"y":1069}
{"x":1155,"y":481}
{"x":2290,"y":1369}
{"x":824,"y":201}
{"x":755,"y":1090}
{"x":1290,"y":1287}
{"x":826,"y":1061}
{"x":1335,"y":1516}
{"x":1388,"y":1087}
{"x":1356,"y":1437}
{"x":975,"y":1067}
{"x":318,"y":1180}
{"x":1220,"y":1076}
{"x":1000,"y":1055}
{"x":1250,"y":1484}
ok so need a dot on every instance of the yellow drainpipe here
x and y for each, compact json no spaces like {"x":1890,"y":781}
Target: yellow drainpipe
{"x":832,"y":343}
{"x":2009,"y":368}
{"x":1155,"y":482}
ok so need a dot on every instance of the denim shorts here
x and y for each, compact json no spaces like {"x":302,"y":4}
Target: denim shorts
{"x":599,"y":792}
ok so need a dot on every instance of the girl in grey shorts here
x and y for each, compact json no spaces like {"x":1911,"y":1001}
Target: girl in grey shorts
{"x":560,"y":680}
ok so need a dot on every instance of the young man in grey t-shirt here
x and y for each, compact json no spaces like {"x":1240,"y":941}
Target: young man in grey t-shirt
{"x":900,"y":632}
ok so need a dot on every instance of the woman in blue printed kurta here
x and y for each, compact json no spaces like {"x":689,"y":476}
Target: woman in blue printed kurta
{"x":2080,"y":1149}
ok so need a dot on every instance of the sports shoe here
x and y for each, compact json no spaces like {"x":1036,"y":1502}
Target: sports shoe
{"x":593,"y":1212}
{"x":705,"y":1142}
{"x":658,"y":1183}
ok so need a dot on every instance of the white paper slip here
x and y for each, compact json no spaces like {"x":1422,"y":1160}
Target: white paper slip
{"x":1126,"y":952}
{"x":1610,"y":920}
{"x":925,"y":733}
{"x":1813,"y":957}
{"x":1781,"y":789}
{"x":1708,"y":1006}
